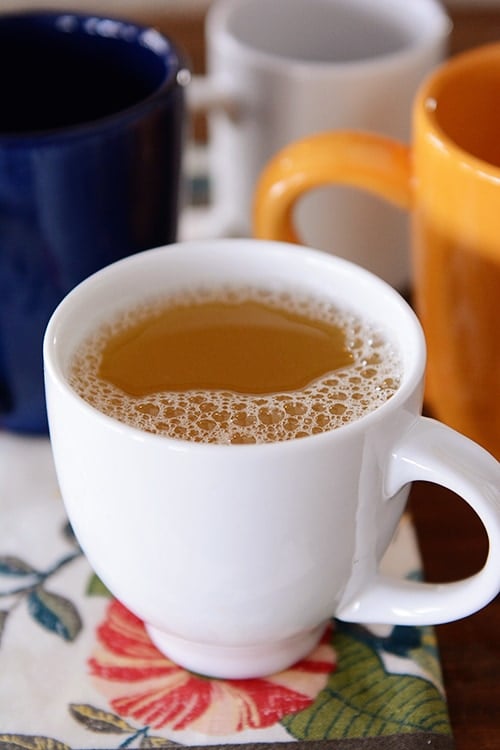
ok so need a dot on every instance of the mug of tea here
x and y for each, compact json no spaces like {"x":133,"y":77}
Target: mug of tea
{"x":235,"y":425}
{"x":281,"y":70}
{"x":450,"y":181}
{"x":90,"y":141}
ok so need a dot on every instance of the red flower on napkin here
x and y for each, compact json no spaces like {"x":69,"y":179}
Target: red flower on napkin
{"x":143,"y":684}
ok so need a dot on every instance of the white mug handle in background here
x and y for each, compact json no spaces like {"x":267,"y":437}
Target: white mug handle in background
{"x":205,"y":94}
{"x":432,"y":452}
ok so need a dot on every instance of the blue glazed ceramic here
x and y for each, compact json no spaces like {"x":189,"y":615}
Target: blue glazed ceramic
{"x":91,"y":124}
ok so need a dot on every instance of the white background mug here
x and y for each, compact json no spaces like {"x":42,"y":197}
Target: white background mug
{"x":282,"y":69}
{"x":236,"y":556}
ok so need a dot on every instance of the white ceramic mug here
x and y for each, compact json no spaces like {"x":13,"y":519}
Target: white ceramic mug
{"x":236,"y":556}
{"x":281,"y":70}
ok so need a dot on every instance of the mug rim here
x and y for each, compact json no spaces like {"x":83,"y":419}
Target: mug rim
{"x":426,"y":101}
{"x":221,"y":12}
{"x":412,"y":376}
{"x":176,"y":74}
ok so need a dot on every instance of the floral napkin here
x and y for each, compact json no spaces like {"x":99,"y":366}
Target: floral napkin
{"x":77,"y":670}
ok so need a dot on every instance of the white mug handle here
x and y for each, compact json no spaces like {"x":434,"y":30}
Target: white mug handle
{"x":432,"y":452}
{"x":207,"y":94}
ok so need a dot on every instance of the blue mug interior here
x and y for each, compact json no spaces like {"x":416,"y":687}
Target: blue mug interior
{"x":66,"y":69}
{"x":91,"y":135}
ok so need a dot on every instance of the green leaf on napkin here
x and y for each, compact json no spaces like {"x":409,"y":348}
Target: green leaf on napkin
{"x":427,"y":656}
{"x":55,"y":613}
{"x":98,"y":720}
{"x":96,"y":587}
{"x":14,"y":566}
{"x":30,"y":742}
{"x":4,"y":613}
{"x":362,"y":700}
{"x":150,"y":742}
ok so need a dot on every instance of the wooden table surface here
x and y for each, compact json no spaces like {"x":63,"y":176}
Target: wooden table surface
{"x":451,"y":538}
{"x":454,"y":545}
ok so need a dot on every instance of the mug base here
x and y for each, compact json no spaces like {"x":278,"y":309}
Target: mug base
{"x":236,"y":662}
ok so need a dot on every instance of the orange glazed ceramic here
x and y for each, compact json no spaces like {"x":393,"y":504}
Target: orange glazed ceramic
{"x":450,"y":180}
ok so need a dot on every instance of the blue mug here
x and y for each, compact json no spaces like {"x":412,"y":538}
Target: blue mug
{"x":91,"y":131}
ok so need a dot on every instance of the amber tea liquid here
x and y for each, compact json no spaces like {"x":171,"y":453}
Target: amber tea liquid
{"x":236,"y":366}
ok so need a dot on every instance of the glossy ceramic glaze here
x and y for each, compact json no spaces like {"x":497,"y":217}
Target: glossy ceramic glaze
{"x":457,"y":241}
{"x":283,"y":70}
{"x":450,"y":180}
{"x":90,"y":143}
{"x":236,"y":556}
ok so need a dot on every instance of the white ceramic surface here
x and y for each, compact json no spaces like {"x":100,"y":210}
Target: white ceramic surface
{"x":237,"y":556}
{"x":284,"y":69}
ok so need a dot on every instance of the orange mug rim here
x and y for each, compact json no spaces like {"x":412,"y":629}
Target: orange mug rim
{"x":428,"y":96}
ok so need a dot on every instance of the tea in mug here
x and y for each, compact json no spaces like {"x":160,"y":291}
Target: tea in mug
{"x":236,"y":366}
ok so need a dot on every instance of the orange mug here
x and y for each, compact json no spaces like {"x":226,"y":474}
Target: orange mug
{"x":449,"y":178}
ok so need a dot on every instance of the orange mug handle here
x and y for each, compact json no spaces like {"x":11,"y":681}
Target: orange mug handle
{"x":368,"y":161}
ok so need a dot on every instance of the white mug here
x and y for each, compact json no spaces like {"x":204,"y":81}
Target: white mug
{"x":284,"y":69}
{"x":237,"y":556}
